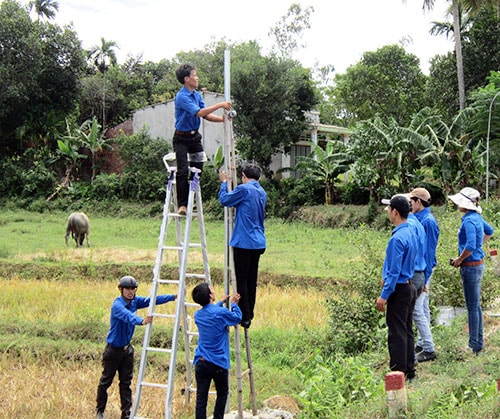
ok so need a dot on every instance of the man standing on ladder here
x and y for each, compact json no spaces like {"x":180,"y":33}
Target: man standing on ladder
{"x":248,"y":239}
{"x":189,"y":108}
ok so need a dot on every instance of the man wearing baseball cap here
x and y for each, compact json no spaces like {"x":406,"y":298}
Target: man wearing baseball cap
{"x":420,"y":200}
{"x":118,"y":355}
{"x":398,"y":293}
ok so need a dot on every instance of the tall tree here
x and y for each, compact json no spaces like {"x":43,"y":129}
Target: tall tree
{"x":290,"y":28}
{"x":40,"y":66}
{"x":387,"y":82}
{"x":104,"y":56}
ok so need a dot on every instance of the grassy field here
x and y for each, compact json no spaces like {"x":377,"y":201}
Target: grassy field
{"x":52,"y":329}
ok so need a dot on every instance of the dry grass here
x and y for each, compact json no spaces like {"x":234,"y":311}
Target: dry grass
{"x":44,"y":388}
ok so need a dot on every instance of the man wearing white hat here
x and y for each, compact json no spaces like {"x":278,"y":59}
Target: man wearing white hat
{"x":473,"y":232}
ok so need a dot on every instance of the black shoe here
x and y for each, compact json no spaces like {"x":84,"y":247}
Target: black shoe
{"x":418,"y":349}
{"x":426,"y":356}
{"x":480,"y":352}
{"x":246,"y":323}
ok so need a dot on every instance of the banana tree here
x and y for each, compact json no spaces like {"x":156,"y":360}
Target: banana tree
{"x":91,"y":137}
{"x":325,"y":165}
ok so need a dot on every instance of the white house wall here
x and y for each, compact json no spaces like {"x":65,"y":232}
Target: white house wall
{"x":159,"y":121}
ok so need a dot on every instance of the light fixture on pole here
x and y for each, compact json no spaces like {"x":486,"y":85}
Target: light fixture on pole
{"x":488,"y":147}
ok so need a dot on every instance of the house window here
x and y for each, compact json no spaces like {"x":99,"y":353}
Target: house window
{"x":298,"y":151}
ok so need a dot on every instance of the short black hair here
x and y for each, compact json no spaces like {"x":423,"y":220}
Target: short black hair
{"x":184,"y":71}
{"x":402,"y":204}
{"x":201,"y":294}
{"x":252,"y":171}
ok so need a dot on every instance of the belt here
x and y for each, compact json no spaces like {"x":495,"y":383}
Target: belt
{"x":419,"y":272}
{"x":473,"y":263}
{"x":186,"y":133}
{"x":120,"y":348}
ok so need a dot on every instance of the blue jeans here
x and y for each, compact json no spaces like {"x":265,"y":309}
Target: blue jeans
{"x":422,"y":320}
{"x":471,"y":284}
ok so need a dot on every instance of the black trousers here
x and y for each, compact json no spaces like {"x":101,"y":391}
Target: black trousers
{"x":182,"y":146}
{"x":114,"y":360}
{"x":399,"y":318}
{"x":246,"y":268}
{"x":205,"y":372}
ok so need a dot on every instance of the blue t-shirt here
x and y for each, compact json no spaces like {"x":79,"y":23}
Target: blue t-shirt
{"x":187,"y":105}
{"x":212,"y":321}
{"x":432,"y":232}
{"x":123,"y":318}
{"x":399,"y":263}
{"x":249,"y":199}
{"x":471,"y":235}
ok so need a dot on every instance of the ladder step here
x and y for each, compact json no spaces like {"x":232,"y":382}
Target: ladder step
{"x":168,"y":281}
{"x":165,"y":316}
{"x":191,"y":305}
{"x":192,"y":275}
{"x":162,"y":350}
{"x":172,"y":247}
{"x":157,"y":385}
{"x":191,"y":245}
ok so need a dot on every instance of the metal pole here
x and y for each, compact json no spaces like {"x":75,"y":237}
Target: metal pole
{"x":488,"y":147}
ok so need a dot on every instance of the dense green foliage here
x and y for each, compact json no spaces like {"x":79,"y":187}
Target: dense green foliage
{"x":40,"y":68}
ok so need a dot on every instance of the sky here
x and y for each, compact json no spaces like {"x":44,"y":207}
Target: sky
{"x":341,"y":31}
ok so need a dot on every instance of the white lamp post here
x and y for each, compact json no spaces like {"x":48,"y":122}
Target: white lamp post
{"x":488,"y":148}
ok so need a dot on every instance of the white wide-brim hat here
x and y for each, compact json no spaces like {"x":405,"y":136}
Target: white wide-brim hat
{"x":467,"y":198}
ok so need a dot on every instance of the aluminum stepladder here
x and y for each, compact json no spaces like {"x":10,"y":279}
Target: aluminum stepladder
{"x":181,"y":319}
{"x":229,"y":272}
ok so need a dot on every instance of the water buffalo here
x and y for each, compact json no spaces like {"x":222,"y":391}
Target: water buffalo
{"x":79,"y":227}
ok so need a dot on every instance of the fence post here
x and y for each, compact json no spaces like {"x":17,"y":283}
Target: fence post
{"x":396,"y":394}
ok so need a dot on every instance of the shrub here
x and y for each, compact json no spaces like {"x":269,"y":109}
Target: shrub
{"x":354,"y":322}
{"x":144,"y":176}
{"x":334,"y":383}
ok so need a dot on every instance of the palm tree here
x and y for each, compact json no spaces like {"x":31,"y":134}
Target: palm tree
{"x":458,"y":6}
{"x":45,"y":8}
{"x":103,"y":57}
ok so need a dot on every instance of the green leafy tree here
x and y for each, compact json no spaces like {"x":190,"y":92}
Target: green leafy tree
{"x":481,"y":48}
{"x":40,"y":65}
{"x":387,"y":82}
{"x":270,"y":95}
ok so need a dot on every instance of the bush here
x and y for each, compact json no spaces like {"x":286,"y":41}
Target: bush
{"x":106,"y":186}
{"x":353,"y":194}
{"x":145,"y":176}
{"x":354,"y":322}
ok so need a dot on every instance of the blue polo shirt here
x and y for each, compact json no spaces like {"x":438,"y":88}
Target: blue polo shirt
{"x":471,"y":234}
{"x":399,"y":263}
{"x":123,"y":318}
{"x":249,"y":199}
{"x":187,"y":105}
{"x":212,"y":321}
{"x":432,"y":232}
